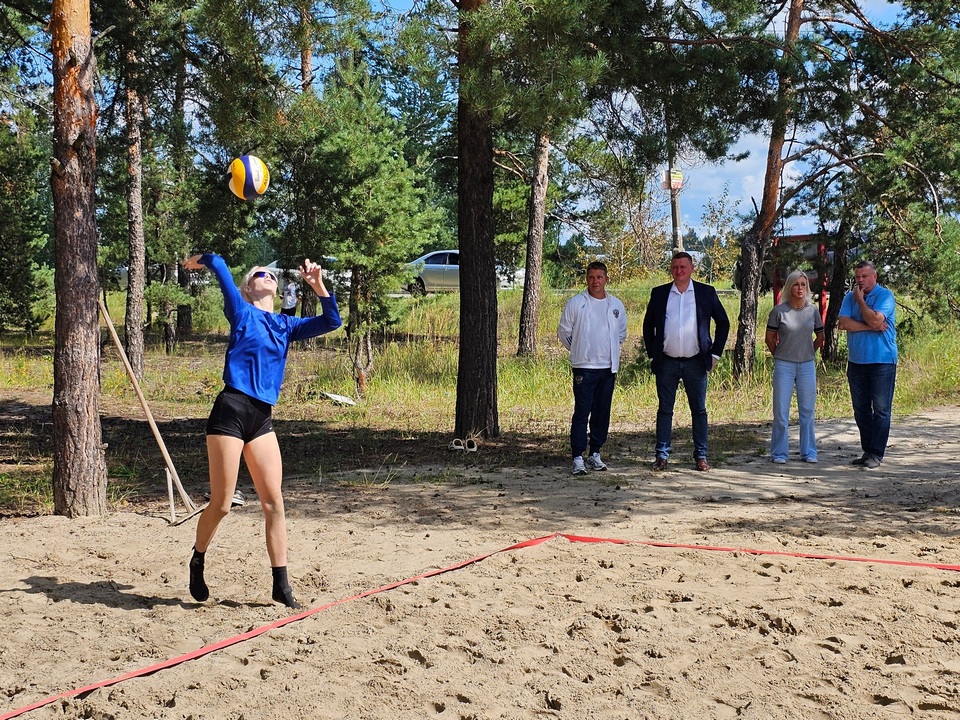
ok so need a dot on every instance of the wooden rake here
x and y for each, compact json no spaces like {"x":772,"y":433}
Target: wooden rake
{"x":172,"y":477}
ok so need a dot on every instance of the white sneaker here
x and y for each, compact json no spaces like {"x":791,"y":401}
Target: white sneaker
{"x":595,"y":463}
{"x":578,"y":466}
{"x":237,"y":500}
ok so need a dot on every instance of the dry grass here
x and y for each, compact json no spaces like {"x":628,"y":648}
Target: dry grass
{"x":407,"y":416}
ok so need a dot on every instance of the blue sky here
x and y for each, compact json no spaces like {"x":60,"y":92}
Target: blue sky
{"x":745,"y":178}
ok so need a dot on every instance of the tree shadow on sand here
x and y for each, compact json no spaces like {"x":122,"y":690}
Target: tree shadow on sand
{"x":100,"y":592}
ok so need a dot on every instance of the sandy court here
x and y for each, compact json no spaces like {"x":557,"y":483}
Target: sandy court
{"x":559,"y":629}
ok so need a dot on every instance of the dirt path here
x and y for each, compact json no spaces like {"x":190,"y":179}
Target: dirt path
{"x":560,"y":629}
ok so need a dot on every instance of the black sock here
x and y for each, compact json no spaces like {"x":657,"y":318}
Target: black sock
{"x":282,"y":591}
{"x":198,"y":588}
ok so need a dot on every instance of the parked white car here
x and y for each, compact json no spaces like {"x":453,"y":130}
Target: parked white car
{"x":439,"y":271}
{"x":436,"y":271}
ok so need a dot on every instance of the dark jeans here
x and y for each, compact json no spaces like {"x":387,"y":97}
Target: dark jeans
{"x":693,"y":373}
{"x":871,"y":390}
{"x":592,"y":397}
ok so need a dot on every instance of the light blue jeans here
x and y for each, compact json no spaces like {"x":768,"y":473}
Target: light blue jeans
{"x":787,"y":377}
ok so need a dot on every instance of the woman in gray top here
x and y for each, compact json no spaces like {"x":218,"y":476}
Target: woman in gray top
{"x":794,"y":334}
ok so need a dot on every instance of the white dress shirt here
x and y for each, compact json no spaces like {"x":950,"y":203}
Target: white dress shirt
{"x":680,"y":326}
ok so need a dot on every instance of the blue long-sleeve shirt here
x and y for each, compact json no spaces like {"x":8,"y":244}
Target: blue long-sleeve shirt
{"x":260,"y":340}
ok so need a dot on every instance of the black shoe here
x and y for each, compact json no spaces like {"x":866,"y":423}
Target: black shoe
{"x":198,"y":588}
{"x":871,"y":462}
{"x":282,"y":593}
{"x":860,"y":460}
{"x":284,"y":596}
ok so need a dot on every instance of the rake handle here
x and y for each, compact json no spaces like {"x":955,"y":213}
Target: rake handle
{"x":146,"y":408}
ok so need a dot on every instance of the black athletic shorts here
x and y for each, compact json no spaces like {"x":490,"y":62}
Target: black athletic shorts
{"x":238,"y":415}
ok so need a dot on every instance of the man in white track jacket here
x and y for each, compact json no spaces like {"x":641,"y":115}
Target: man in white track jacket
{"x":592,"y":327}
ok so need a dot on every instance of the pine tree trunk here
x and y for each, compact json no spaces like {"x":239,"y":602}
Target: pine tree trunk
{"x":308,"y":304}
{"x":180,"y":153}
{"x":136,"y":249}
{"x":362,"y":353}
{"x":837,"y":287}
{"x":758,"y":239}
{"x":533,"y":272}
{"x":79,"y":470}
{"x":169,"y":327}
{"x":185,"y":311}
{"x":361,"y":327}
{"x":476,"y":411}
{"x":751,"y":267}
{"x":170,"y":339}
{"x":306,"y":48}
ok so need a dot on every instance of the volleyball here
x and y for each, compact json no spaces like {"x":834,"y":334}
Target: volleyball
{"x":249,"y":177}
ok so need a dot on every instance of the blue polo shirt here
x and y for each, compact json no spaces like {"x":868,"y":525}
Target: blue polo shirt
{"x":870,"y":346}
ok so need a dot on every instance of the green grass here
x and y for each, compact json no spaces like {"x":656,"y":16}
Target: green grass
{"x":26,"y":366}
{"x":411,"y":399}
{"x":28,"y":490}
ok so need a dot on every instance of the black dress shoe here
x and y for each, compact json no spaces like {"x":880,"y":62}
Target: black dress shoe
{"x":860,"y":460}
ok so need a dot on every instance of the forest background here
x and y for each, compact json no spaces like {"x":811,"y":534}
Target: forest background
{"x":523,"y":133}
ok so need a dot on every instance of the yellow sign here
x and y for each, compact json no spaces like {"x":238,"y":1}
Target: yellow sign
{"x":672,"y":180}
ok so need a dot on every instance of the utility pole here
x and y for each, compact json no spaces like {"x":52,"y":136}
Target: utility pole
{"x":676,"y":182}
{"x":673,"y":181}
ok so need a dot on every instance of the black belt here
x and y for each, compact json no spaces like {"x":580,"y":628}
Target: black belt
{"x":671,"y":357}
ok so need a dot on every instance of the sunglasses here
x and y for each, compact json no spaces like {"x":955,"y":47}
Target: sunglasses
{"x":265,"y":274}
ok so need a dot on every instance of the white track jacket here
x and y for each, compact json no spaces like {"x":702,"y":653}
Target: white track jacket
{"x":578,"y":336}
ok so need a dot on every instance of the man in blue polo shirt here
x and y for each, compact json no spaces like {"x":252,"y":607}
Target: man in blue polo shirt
{"x":868,"y":314}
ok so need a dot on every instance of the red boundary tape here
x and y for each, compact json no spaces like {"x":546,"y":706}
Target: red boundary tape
{"x":206,"y":650}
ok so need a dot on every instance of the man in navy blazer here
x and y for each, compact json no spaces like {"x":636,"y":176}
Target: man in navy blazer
{"x":676,"y":335}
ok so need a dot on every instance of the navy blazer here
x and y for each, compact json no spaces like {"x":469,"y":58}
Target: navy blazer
{"x":708,"y":306}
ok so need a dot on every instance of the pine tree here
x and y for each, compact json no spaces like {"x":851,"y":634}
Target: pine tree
{"x":79,"y":469}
